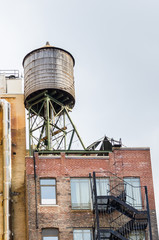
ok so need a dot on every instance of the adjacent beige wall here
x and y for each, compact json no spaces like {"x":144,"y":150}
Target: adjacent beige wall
{"x":18,"y":166}
{"x":1,"y":179}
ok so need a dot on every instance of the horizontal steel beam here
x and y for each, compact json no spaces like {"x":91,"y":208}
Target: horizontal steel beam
{"x":73,"y":151}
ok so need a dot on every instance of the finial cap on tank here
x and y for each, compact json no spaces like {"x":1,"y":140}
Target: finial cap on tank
{"x":47,"y":44}
{"x":49,"y":69}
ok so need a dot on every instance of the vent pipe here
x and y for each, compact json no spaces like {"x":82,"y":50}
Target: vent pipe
{"x":6,"y":123}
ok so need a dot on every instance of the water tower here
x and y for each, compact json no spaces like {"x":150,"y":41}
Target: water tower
{"x":49,"y":95}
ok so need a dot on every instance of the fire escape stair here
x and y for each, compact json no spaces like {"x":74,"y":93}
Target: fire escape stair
{"x":123,"y":231}
{"x":109,"y":204}
{"x":123,"y":223}
{"x":127,"y":228}
{"x":111,"y":234}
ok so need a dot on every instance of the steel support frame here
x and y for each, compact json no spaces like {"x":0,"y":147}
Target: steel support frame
{"x":48,"y":126}
{"x":78,"y":152}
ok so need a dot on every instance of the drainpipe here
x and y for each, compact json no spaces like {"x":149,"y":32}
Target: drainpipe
{"x":6,"y":167}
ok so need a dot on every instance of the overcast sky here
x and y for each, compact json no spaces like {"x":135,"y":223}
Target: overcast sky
{"x":115,"y":44}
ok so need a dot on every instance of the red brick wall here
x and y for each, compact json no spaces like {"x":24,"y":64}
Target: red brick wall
{"x":123,"y":162}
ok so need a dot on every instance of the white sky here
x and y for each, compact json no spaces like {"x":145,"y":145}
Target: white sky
{"x":115,"y":44}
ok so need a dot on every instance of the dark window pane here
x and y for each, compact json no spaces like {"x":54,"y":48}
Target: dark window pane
{"x":50,"y":234}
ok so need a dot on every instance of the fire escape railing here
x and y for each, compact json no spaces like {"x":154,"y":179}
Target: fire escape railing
{"x":117,"y":214}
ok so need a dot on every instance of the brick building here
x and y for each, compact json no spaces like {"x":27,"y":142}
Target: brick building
{"x":68,"y":213}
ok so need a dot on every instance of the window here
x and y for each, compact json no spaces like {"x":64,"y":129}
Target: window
{"x":81,"y":193}
{"x":137,"y":235}
{"x":133,"y":192}
{"x":50,"y":234}
{"x":48,"y":191}
{"x":102,"y":185}
{"x":82,"y":234}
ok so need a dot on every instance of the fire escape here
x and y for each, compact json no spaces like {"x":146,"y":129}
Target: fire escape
{"x":116,"y":216}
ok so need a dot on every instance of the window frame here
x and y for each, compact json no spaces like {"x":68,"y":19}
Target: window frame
{"x":50,"y":235}
{"x":107,"y":181}
{"x":53,"y":185}
{"x":83,"y":229}
{"x":89,"y":191}
{"x":137,"y":234}
{"x":132,"y":202}
{"x":99,"y":179}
